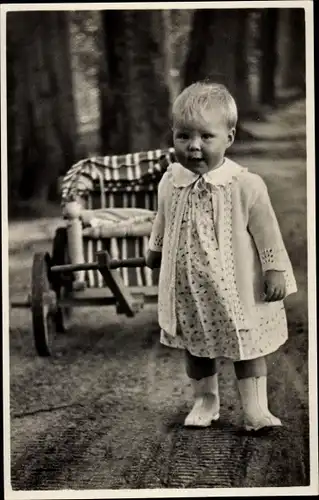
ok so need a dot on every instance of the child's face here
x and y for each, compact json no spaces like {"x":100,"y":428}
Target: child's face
{"x":200,"y":145}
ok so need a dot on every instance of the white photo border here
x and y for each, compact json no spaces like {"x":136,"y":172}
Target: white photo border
{"x":311,"y":225}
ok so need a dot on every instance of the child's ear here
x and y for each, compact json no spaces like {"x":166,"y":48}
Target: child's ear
{"x":231,"y":136}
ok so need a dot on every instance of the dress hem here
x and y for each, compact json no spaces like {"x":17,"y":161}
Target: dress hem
{"x":266,"y":352}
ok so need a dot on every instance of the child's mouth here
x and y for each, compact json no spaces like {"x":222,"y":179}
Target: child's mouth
{"x":195,"y":158}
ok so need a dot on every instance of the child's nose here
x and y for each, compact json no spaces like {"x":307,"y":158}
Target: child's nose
{"x":194,"y":144}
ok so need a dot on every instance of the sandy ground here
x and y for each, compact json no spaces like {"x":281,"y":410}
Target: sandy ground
{"x":106,"y":410}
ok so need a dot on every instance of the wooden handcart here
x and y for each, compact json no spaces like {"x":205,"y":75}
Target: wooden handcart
{"x":98,"y":253}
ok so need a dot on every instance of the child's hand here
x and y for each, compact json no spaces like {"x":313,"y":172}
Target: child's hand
{"x":153,"y":259}
{"x":275,"y":288}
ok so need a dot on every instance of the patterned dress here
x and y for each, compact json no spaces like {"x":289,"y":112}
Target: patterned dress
{"x":206,"y":288}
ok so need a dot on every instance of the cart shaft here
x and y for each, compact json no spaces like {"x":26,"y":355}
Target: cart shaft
{"x":111,"y":264}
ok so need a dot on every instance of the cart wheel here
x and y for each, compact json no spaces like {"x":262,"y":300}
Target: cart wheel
{"x":63,"y":316}
{"x":43,"y":304}
{"x":62,"y":283}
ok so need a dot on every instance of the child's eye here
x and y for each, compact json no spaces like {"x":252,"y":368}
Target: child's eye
{"x":182,"y":136}
{"x":207,"y":136}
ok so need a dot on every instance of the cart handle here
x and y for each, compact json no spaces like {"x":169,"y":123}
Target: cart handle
{"x":104,"y":260}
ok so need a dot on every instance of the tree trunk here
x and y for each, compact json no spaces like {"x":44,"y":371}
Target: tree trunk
{"x":269,"y":56}
{"x":219,"y":52}
{"x":242,"y":89}
{"x":284,"y":46}
{"x":41,"y":113}
{"x":292,"y":49}
{"x":134,"y":93}
{"x":212,"y":49}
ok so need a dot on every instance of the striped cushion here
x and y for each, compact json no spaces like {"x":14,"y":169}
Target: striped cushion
{"x":119,"y":248}
{"x":131,"y":173}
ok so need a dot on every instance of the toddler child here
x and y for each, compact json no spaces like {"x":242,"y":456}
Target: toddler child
{"x":224,"y":269}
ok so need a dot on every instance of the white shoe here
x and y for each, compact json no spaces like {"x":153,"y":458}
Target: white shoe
{"x":206,"y":406}
{"x":253,"y":393}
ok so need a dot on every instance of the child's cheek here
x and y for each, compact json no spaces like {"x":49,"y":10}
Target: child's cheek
{"x":180,"y":155}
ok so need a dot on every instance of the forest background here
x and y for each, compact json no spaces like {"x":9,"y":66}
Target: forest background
{"x":82,"y":83}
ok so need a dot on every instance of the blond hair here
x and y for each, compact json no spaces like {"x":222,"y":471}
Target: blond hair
{"x":201,"y":97}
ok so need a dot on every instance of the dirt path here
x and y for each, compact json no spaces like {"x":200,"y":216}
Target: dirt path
{"x":107,"y":412}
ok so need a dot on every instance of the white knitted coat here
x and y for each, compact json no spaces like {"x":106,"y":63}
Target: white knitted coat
{"x":257,"y":243}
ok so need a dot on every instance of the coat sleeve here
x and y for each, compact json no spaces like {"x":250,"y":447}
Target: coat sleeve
{"x":264,"y":228}
{"x":157,"y":233}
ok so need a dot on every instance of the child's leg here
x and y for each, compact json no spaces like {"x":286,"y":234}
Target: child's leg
{"x":203,"y":375}
{"x":252,"y":385}
{"x":198,"y":368}
{"x":251,"y":368}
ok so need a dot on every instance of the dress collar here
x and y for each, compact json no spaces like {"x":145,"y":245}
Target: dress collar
{"x":219,"y":177}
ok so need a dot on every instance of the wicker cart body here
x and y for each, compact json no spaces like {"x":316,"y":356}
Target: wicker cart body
{"x":108,"y":205}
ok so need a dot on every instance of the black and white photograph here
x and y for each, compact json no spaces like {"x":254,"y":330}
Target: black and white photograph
{"x":158,"y":250}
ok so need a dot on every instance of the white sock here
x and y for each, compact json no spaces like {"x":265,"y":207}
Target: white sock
{"x":253,"y":393}
{"x":206,"y":406}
